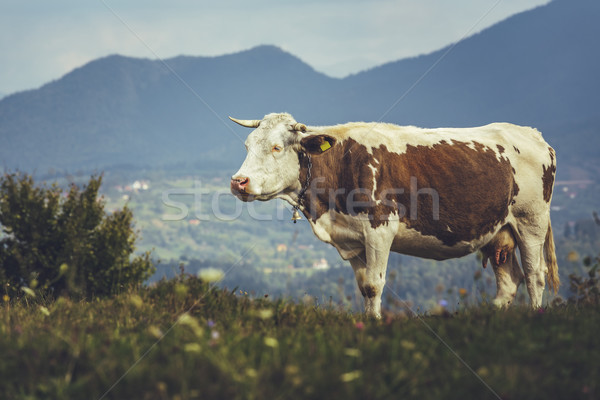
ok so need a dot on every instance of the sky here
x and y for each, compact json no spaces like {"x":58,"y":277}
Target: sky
{"x":42,"y":40}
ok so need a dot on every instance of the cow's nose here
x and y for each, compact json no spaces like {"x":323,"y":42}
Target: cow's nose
{"x":239,"y":184}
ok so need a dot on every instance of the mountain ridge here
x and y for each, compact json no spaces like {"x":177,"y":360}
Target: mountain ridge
{"x":536,"y":68}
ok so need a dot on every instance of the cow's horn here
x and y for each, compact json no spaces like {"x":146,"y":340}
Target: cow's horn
{"x":300,"y":127}
{"x":248,"y":123}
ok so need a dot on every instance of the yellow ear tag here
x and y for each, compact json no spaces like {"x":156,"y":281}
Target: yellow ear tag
{"x":325,"y":145}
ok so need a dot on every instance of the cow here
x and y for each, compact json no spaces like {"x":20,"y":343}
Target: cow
{"x":371,"y":188}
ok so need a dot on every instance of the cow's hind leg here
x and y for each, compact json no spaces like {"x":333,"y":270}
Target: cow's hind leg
{"x":534,"y":266}
{"x":531,"y":246}
{"x":508,"y":278}
{"x":369,"y":270}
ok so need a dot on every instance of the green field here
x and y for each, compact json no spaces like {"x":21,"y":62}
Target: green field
{"x":182,"y":339}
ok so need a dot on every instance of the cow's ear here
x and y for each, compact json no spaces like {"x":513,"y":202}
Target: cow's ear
{"x":317,"y":144}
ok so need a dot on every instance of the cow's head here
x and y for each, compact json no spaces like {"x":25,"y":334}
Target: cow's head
{"x":272,"y":167}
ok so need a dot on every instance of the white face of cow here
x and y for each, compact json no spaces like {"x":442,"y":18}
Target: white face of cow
{"x":271,"y":168}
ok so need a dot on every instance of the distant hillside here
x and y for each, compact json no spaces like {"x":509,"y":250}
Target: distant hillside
{"x":537,"y":68}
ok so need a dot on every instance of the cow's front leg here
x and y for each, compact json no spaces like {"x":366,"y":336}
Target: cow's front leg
{"x":369,"y":270}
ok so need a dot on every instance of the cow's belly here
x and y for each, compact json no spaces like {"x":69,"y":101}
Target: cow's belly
{"x":430,"y":247}
{"x":349,"y":235}
{"x":411,"y":242}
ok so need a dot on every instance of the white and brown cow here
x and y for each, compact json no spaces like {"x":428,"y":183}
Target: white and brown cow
{"x":372,"y":188}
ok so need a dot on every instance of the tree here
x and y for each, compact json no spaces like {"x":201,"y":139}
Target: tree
{"x":66,"y":245}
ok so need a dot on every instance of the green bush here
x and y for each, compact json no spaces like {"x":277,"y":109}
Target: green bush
{"x":586,"y":290}
{"x":65,"y":244}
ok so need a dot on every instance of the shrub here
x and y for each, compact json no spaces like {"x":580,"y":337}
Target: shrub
{"x":586,"y":290}
{"x":65,"y":245}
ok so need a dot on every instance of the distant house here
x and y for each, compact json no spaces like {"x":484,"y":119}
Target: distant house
{"x":321,"y":264}
{"x":140,"y":185}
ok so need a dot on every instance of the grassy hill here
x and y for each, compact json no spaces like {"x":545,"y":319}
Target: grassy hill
{"x":182,"y":339}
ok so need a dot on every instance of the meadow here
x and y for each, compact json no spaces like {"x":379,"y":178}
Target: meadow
{"x":187,"y":339}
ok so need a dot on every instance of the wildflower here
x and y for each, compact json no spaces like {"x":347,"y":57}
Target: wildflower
{"x":155,"y":331}
{"x":350,"y":376}
{"x":210,"y":323}
{"x":44,"y":311}
{"x":136,"y":301}
{"x":271,"y":342}
{"x":418,"y":356}
{"x":192,"y":347}
{"x":407,"y":345}
{"x":6,"y":298}
{"x":352,"y":352}
{"x":251,"y":372}
{"x":360,"y":325}
{"x":308,"y":300}
{"x":214,"y":335}
{"x":265,"y":313}
{"x":186,"y":319}
{"x":292,"y":369}
{"x":211,"y":274}
{"x":443,"y":303}
{"x":181,"y":290}
{"x":462,"y":292}
{"x":573,"y":256}
{"x":62,"y":269}
{"x":483,"y":372}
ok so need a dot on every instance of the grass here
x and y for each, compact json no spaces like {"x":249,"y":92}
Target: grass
{"x":182,"y":339}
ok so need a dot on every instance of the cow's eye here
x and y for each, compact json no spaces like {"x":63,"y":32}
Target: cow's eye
{"x":276,"y":148}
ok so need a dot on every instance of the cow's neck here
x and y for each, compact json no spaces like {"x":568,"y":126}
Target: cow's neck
{"x":312,"y":197}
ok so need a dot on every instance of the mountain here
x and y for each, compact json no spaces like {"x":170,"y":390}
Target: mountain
{"x":120,"y":110}
{"x":537,"y":68}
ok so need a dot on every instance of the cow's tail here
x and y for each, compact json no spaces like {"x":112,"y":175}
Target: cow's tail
{"x":553,"y":278}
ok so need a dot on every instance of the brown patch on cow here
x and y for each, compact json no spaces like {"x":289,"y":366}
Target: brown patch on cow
{"x":516,"y":149}
{"x":369,"y":291}
{"x":362,"y":291}
{"x":548,"y":181}
{"x":548,"y":174}
{"x":474,"y":187}
{"x":500,"y":148}
{"x":314,"y":145}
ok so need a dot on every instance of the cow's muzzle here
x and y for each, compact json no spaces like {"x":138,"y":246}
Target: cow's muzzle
{"x":239,"y":186}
